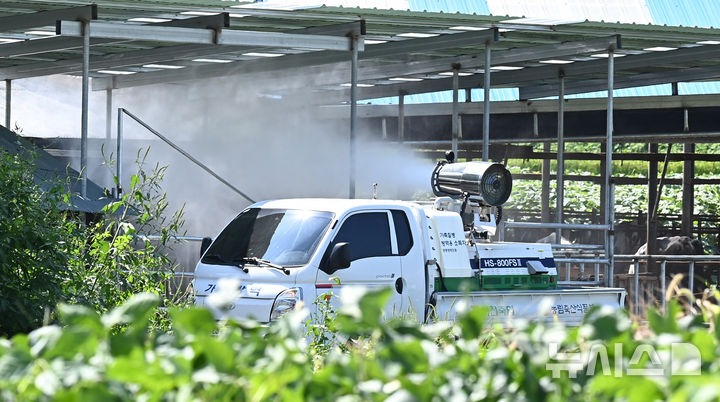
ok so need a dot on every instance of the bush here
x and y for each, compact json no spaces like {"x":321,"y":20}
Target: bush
{"x":117,"y":356}
{"x":47,"y":255}
{"x":33,"y":262}
{"x":112,"y":260}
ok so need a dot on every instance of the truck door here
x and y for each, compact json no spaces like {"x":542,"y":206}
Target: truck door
{"x":413,"y":284}
{"x":374,"y":254}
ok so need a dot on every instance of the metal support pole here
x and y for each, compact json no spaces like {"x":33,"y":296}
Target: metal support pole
{"x":691,"y":276}
{"x":460,"y":124}
{"x":84,"y":122}
{"x":486,"y":105}
{"x":353,"y":112}
{"x":545,"y":186}
{"x":8,"y":103}
{"x":560,"y":191}
{"x":610,"y":269}
{"x":609,"y":202}
{"x":567,"y":271}
{"x":401,"y":116}
{"x":662,"y":284}
{"x":651,"y":226}
{"x":597,"y":269}
{"x":688,"y":187}
{"x":384,"y":128}
{"x":185,"y":154}
{"x":108,"y":114}
{"x":118,"y":184}
{"x":636,"y":286}
{"x":603,"y":189}
{"x":455,"y":108}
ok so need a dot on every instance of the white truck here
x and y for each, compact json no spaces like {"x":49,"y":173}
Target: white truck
{"x":435,"y":256}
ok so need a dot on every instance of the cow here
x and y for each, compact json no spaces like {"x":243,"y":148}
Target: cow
{"x":677,"y":245}
{"x":629,"y":236}
{"x":551,"y":239}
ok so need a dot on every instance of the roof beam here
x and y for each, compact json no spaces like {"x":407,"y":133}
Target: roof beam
{"x":302,"y":59}
{"x":137,"y":57}
{"x":375,"y":51}
{"x":342,"y":29}
{"x":544,"y":73}
{"x":637,"y":80}
{"x":184,"y":52}
{"x":499,"y":57}
{"x":171,"y":34}
{"x":162,"y":54}
{"x":215,"y":21}
{"x":54,"y":44}
{"x":47,"y":18}
{"x":471,"y":38}
{"x":534,"y":106}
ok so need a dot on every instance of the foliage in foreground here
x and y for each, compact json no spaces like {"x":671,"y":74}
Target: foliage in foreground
{"x":117,"y":357}
{"x":49,"y":255}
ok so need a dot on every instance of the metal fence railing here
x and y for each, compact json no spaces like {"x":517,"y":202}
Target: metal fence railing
{"x":691,"y":260}
{"x":573,"y":254}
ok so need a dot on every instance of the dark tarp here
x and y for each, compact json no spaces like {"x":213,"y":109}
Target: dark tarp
{"x":50,"y":170}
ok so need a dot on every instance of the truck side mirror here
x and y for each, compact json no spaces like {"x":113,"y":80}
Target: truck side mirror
{"x":206,"y":241}
{"x":339,"y":258}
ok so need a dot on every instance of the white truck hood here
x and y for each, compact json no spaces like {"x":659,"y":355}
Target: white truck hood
{"x":244,"y":295}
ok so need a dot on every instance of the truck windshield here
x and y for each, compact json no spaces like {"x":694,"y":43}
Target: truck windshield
{"x":284,"y":237}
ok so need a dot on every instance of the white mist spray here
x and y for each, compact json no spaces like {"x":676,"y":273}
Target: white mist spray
{"x":268,"y":144}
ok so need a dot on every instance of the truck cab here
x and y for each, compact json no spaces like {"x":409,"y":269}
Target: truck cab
{"x":285,"y":251}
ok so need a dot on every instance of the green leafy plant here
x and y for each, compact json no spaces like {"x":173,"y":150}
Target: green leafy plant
{"x":48,"y":254}
{"x":113,"y":258}
{"x":118,"y":356}
{"x":33,"y":265}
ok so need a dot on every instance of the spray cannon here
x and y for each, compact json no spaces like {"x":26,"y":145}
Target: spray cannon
{"x":476,"y":190}
{"x":491,"y":182}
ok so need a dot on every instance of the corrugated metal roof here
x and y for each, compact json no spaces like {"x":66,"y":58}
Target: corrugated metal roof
{"x":446,"y":6}
{"x":696,"y":13}
{"x":627,"y":11}
{"x":451,"y":6}
{"x":498,"y":94}
{"x":190,"y":60}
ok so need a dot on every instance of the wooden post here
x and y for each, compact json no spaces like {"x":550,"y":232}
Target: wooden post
{"x":652,"y":196}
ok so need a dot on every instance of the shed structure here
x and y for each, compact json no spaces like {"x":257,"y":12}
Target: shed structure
{"x":380,"y":53}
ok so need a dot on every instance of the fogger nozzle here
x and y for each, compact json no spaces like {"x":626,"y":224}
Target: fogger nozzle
{"x":490,"y":181}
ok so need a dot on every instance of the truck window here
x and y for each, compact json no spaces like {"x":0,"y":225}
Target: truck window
{"x":368,"y":235}
{"x":402,"y":232}
{"x":287,"y":237}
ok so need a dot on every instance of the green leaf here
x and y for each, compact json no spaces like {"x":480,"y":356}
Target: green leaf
{"x":409,"y":354}
{"x":133,"y":182}
{"x":472,"y":324}
{"x":136,"y":310}
{"x":218,"y":354}
{"x":605,"y":324}
{"x":153,"y":376}
{"x":193,"y":321}
{"x":665,"y":323}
